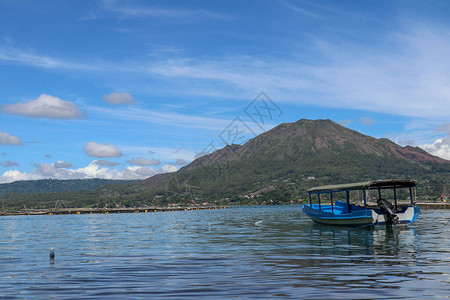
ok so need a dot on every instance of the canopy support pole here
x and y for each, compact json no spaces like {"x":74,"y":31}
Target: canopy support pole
{"x":331,"y":199}
{"x":364,"y":198}
{"x":395,"y":198}
{"x":349,"y":209}
{"x":318,"y":196}
{"x":411,"y":195}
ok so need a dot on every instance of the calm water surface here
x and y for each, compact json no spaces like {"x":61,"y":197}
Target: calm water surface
{"x":244,"y":252}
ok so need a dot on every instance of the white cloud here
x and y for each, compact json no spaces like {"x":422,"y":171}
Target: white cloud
{"x":15,"y":175}
{"x":45,"y":106}
{"x":136,"y":172}
{"x":98,"y":150}
{"x":441,"y":148}
{"x":7,"y":139}
{"x":62,"y":164}
{"x":166,"y":168}
{"x":141,"y":161}
{"x":118,"y":98}
{"x":93,"y":170}
{"x":106,"y":163}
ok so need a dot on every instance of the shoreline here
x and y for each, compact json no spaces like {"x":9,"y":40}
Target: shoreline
{"x":83,"y":211}
{"x":79,"y":211}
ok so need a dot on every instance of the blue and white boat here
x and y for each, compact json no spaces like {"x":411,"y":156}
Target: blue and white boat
{"x":345,"y":213}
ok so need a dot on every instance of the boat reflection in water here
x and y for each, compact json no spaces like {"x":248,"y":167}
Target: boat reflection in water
{"x":392,"y":244}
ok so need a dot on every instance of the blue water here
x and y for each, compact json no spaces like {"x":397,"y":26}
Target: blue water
{"x":243,"y":252}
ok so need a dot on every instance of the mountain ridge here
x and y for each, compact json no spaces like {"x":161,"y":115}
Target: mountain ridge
{"x":56,"y":185}
{"x":278,"y":166}
{"x":320,"y":149}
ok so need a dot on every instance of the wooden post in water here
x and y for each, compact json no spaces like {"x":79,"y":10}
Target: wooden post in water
{"x":52,"y":256}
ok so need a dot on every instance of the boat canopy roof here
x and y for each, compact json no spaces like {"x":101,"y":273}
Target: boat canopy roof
{"x":366,"y":185}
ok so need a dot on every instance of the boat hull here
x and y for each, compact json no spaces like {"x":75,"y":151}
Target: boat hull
{"x":340,"y":214}
{"x":343,"y":222}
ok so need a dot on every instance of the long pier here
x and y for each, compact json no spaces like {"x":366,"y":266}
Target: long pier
{"x":123,"y":210}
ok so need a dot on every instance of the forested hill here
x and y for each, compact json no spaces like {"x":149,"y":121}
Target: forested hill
{"x":277,"y":166}
{"x":295,"y":156}
{"x":53,"y":185}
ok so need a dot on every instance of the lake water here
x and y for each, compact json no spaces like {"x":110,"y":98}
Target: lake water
{"x":242,"y":252}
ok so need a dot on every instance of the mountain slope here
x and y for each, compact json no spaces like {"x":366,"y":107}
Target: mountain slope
{"x":278,"y":166}
{"x":321,"y":149}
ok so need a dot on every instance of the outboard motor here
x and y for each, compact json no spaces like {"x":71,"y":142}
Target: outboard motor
{"x":388,"y":211}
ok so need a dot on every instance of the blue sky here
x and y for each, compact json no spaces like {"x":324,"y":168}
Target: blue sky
{"x":129,"y":89}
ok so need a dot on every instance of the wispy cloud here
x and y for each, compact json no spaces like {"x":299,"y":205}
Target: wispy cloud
{"x":164,"y":118}
{"x":15,"y":55}
{"x":406,"y":75}
{"x":129,"y":10}
{"x":9,"y":163}
{"x":366,"y":121}
{"x":300,"y":10}
{"x":240,"y":75}
{"x":322,"y":10}
{"x":163,"y":153}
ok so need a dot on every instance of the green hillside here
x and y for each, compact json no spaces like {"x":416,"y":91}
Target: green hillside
{"x":277,"y":166}
{"x":53,"y":185}
{"x":289,"y":156}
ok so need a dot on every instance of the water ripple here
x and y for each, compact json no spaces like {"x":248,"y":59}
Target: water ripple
{"x":245,"y":252}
